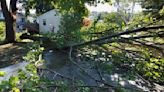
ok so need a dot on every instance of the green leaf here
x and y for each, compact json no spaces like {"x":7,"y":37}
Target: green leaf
{"x":161,"y":12}
{"x":16,"y":89}
{"x":156,"y":74}
{"x":162,"y":60}
{"x":156,"y":67}
{"x":13,"y":81}
{"x":154,"y":60}
{"x":148,"y":74}
{"x":41,"y":48}
{"x":2,"y":73}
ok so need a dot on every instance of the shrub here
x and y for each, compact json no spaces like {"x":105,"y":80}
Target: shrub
{"x":2,"y":28}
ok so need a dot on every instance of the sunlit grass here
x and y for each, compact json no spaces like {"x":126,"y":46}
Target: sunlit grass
{"x":18,"y":34}
{"x":2,"y":28}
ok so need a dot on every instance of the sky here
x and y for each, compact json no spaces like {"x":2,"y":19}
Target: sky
{"x":104,"y":7}
{"x":8,"y":2}
{"x":110,"y":8}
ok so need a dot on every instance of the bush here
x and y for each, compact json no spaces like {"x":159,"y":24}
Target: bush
{"x":2,"y":28}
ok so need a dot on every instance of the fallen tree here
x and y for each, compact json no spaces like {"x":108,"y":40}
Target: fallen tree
{"x":108,"y":38}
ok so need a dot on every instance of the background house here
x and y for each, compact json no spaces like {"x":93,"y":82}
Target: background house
{"x":1,"y":14}
{"x":22,"y":20}
{"x":49,"y":21}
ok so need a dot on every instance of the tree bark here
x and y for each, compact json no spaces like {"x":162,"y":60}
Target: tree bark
{"x":10,"y":18}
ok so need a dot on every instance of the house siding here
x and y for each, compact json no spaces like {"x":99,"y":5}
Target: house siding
{"x":49,"y":21}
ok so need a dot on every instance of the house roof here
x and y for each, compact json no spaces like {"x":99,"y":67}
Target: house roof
{"x":53,"y":10}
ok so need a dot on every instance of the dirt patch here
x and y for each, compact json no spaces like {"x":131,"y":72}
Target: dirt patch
{"x":12,"y":53}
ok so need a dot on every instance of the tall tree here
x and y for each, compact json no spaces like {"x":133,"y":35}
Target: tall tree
{"x":41,"y":6}
{"x":10,"y":18}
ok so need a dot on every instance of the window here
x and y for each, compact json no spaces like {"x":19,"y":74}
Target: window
{"x":23,"y":20}
{"x":44,"y":22}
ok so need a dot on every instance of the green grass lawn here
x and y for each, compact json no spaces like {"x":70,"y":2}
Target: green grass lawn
{"x":13,"y":52}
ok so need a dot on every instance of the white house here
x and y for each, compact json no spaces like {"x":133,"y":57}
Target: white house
{"x":49,"y":21}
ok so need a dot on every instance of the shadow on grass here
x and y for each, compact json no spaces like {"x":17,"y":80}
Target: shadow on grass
{"x":12,"y":53}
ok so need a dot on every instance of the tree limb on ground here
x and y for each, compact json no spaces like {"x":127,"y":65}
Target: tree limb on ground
{"x":108,"y":38}
{"x":118,"y":35}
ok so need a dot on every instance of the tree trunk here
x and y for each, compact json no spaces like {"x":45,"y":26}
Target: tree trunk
{"x":9,"y":20}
